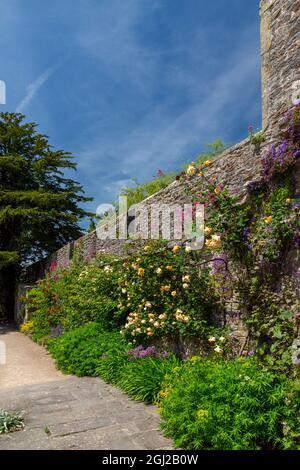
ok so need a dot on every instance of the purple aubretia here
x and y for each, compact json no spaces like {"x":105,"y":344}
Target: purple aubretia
{"x":151,"y":351}
{"x":283,"y":155}
{"x":278,"y":158}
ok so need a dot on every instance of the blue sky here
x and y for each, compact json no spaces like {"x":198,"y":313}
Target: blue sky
{"x":132,"y":86}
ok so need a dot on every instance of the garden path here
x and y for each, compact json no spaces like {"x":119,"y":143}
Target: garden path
{"x":67,"y":412}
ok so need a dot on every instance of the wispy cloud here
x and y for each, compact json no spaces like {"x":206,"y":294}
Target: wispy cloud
{"x":164,"y":138}
{"x":33,"y":88}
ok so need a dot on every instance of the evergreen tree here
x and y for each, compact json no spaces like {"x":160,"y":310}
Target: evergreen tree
{"x":39,"y":206}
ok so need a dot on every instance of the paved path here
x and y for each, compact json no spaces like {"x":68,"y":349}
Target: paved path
{"x":66,"y":412}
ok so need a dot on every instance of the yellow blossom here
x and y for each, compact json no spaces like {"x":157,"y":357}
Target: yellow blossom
{"x":288,"y":200}
{"x":207,"y":163}
{"x":201,"y":173}
{"x":214,"y":242}
{"x":162,"y":316}
{"x":202,"y":414}
{"x":169,"y":268}
{"x":186,"y":278}
{"x":268,"y":219}
{"x":176,"y":248}
{"x":141,"y":272}
{"x":150,"y":333}
{"x":207,"y":230}
{"x":191,"y":170}
{"x":147,"y":248}
{"x":188,"y":249}
{"x":165,"y":288}
{"x":195,"y":359}
{"x":158,"y":271}
{"x":212,"y":339}
{"x":218,"y":350}
{"x":222,"y":339}
{"x":185,"y":285}
{"x":156,"y":324}
{"x":173,"y":293}
{"x":148,"y":304}
{"x":217,"y":190}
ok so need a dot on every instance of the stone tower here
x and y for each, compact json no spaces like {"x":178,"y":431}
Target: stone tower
{"x":280,"y":52}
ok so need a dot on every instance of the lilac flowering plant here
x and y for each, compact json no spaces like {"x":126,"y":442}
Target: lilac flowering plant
{"x":151,"y":351}
{"x":278,"y":159}
{"x":286,"y":153}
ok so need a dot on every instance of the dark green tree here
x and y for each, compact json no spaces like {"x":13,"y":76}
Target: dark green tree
{"x":40,"y":207}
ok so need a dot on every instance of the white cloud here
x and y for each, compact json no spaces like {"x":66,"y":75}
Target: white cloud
{"x":162,"y":139}
{"x":33,"y":88}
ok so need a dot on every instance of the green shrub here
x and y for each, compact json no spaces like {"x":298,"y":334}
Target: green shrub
{"x":155,"y":292}
{"x":44,"y":309}
{"x":140,"y":191}
{"x":141,"y":379}
{"x":89,"y":293}
{"x":75,"y":296}
{"x":81,"y":350}
{"x":110,"y":366}
{"x":229,"y":406}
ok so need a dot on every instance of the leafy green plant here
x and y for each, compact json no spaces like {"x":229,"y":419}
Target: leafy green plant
{"x":229,"y":406}
{"x":111,"y":365}
{"x":140,"y":191}
{"x":81,"y":350}
{"x":256,"y":137}
{"x":141,"y":379}
{"x":72,"y":297}
{"x":10,"y":421}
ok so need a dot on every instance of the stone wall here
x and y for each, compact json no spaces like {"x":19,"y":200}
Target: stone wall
{"x":280,"y":55}
{"x":235,"y":168}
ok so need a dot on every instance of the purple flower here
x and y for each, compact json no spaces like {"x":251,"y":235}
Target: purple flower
{"x":151,"y":351}
{"x":297,"y":240}
{"x":247,"y":232}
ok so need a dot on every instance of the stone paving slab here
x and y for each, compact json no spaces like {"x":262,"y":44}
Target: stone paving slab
{"x":70,"y":412}
{"x":56,"y":419}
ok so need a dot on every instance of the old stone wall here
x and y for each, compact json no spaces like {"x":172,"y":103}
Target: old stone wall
{"x":280,"y":56}
{"x":235,"y":168}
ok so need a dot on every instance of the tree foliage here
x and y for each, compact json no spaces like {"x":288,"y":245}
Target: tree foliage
{"x":39,"y":205}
